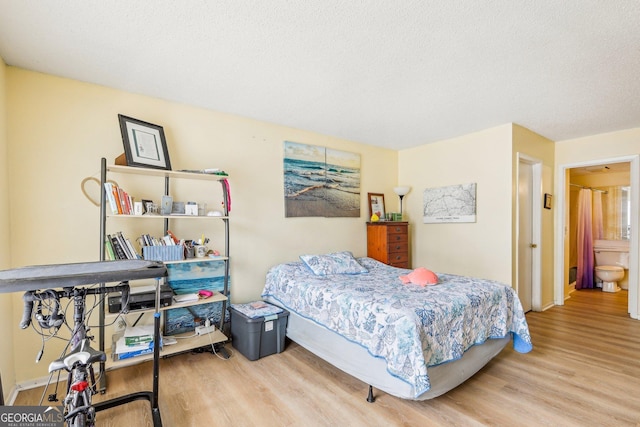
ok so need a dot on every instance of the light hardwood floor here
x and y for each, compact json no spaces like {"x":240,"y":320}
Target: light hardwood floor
{"x":584,"y":370}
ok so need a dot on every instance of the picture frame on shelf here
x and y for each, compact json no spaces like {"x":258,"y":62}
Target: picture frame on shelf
{"x":144,"y":144}
{"x":145,"y":204}
{"x":376,"y":205}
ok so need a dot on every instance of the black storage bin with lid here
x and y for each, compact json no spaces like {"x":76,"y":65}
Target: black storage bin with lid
{"x":258,"y":329}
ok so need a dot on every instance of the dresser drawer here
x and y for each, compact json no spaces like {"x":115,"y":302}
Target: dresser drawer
{"x":401,"y":246}
{"x":396,"y":229}
{"x":388,"y":242}
{"x":398,"y":258}
{"x":397,"y":238}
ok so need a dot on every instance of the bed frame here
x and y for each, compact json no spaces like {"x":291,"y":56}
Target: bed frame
{"x":356,"y":361}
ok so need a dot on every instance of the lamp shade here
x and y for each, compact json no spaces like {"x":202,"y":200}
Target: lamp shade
{"x":402,"y":190}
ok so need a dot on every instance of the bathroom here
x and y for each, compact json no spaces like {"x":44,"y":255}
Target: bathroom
{"x":599,"y":227}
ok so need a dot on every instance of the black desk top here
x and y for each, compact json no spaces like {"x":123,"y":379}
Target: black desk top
{"x":67,"y":275}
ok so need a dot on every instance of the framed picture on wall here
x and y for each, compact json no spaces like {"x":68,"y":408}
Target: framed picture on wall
{"x":144,"y":144}
{"x":547,"y":200}
{"x":376,"y":205}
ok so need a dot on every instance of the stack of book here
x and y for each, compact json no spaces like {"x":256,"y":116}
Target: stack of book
{"x":120,"y":201}
{"x":167,"y":248}
{"x":117,"y":246}
{"x":168,"y":240}
{"x":136,"y":341}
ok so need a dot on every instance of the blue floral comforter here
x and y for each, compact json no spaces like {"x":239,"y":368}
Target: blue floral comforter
{"x":410,"y":326}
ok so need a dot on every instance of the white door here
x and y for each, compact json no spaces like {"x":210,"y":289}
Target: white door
{"x":526,"y":246}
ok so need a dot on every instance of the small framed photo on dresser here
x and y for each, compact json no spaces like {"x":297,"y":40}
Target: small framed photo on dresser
{"x":376,"y":205}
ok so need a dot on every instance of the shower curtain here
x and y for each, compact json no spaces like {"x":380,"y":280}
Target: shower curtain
{"x":584,"y":277}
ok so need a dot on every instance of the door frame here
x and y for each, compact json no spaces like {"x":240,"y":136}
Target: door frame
{"x":536,"y":230}
{"x":561,"y":228}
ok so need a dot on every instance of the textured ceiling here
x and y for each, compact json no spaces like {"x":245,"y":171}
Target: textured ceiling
{"x":391,"y":73}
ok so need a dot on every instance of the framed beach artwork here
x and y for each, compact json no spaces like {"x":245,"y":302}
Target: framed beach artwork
{"x":320,"y":181}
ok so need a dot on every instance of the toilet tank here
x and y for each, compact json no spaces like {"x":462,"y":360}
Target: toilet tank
{"x":612,"y":252}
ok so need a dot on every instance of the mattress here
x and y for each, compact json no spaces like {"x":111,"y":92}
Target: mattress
{"x":410,"y":332}
{"x":356,"y":361}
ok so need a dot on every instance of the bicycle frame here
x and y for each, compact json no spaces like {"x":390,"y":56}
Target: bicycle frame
{"x":34,"y":278}
{"x":78,"y":362}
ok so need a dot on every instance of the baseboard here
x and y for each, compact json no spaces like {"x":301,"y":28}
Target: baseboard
{"x":25,"y":385}
{"x":13,"y":393}
{"x":548,"y":306}
{"x":572,"y":289}
{"x":38,"y":382}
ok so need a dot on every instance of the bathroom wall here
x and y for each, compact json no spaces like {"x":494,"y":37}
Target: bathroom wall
{"x":606,"y":180}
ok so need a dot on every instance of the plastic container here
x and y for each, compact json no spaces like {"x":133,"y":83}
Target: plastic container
{"x":260,"y":332}
{"x":163,"y":253}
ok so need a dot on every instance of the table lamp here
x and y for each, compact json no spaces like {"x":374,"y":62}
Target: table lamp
{"x":401,"y":191}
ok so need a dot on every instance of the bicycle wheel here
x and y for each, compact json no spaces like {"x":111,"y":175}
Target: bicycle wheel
{"x":82,"y":415}
{"x":78,"y":421}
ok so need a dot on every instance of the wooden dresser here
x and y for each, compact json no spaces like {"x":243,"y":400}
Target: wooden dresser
{"x":388,"y":242}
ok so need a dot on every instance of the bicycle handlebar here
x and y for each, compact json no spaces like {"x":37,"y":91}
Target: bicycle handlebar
{"x":30,"y":297}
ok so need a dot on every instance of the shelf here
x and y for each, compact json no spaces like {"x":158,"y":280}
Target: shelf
{"x":111,"y":215}
{"x":196,"y":259}
{"x":165,"y":173}
{"x":186,"y":342}
{"x":189,"y":341}
{"x":216,"y":297}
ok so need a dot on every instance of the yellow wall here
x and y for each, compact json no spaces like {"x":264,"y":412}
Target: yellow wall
{"x":541,"y":149}
{"x":483,"y":248}
{"x":6,"y":333}
{"x":54,"y":131}
{"x":58,"y":131}
{"x":598,"y":147}
{"x":488,"y":158}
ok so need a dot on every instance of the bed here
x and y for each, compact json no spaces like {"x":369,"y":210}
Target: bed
{"x":411,"y":341}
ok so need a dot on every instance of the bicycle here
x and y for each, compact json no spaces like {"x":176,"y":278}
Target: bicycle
{"x":78,"y":362}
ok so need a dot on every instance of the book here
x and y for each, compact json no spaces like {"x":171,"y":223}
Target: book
{"x":138,"y":335}
{"x":130,"y":354}
{"x":258,"y":304}
{"x":116,"y":196}
{"x":108,"y":189}
{"x":108,"y":250}
{"x":121,"y":351}
{"x":123,"y":244}
{"x":118,"y":250}
{"x":186,"y":297}
{"x":134,"y":254}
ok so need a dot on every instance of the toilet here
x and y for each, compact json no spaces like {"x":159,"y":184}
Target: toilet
{"x":611,"y":263}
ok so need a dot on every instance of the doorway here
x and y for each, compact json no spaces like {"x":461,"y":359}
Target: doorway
{"x":528,"y":233}
{"x":563,"y":231}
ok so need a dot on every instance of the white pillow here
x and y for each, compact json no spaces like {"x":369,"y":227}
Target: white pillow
{"x":334,"y":263}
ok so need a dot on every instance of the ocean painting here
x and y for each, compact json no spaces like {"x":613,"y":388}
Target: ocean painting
{"x":320,"y":181}
{"x":188,"y":278}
